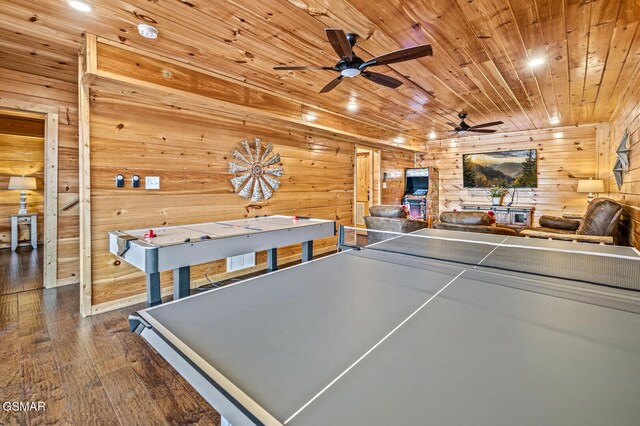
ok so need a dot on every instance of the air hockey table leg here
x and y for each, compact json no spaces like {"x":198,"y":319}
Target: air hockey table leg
{"x":181,"y":282}
{"x":307,"y":251}
{"x":153,"y":289}
{"x":272,"y":259}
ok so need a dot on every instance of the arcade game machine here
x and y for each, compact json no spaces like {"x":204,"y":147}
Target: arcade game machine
{"x":421,"y":193}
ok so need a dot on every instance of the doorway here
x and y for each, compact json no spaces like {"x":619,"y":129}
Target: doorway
{"x":367,"y":182}
{"x":28,"y":210}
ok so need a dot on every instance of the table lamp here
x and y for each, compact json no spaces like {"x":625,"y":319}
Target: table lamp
{"x":23,"y":184}
{"x":590,"y":185}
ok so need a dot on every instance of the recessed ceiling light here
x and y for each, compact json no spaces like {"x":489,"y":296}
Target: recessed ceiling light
{"x":432,"y":135}
{"x":80,"y":5}
{"x":554,"y":120}
{"x":534,"y":62}
{"x":147,"y":31}
{"x":310,"y":116}
{"x":399,"y":139}
{"x":352,"y":106}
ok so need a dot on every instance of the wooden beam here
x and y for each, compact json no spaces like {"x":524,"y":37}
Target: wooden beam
{"x":85,"y":60}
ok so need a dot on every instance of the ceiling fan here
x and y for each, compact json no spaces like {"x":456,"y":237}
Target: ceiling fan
{"x":350,"y":65}
{"x":464,"y":127}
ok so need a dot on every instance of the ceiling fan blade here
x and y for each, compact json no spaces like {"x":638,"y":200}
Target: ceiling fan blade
{"x":339,"y":42}
{"x":302,"y":67}
{"x":382,"y":79}
{"x":452,"y":124}
{"x":400,"y":55}
{"x":493,"y":123}
{"x":482,"y":130}
{"x":332,"y":84}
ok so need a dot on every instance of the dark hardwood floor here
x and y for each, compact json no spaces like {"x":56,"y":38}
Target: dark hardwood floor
{"x":21,"y":270}
{"x":88,"y":371}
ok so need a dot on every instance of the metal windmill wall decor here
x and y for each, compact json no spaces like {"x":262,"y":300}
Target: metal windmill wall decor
{"x":622,"y":162}
{"x":255,"y":170}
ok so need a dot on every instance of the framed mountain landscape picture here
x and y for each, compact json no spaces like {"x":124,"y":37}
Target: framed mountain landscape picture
{"x":517,"y":169}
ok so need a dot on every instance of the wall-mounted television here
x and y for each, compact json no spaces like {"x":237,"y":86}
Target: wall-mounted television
{"x":518,"y":169}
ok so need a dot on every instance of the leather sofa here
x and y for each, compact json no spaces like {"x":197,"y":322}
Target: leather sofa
{"x":390,"y":218}
{"x":471,"y":221}
{"x":598,"y":225}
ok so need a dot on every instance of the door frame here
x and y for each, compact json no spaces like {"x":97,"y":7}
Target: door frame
{"x":50,"y":226}
{"x":374,"y":183}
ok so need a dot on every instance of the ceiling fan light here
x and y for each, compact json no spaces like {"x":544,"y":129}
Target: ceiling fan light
{"x":147,"y":31}
{"x":350,"y":72}
{"x":80,"y":5}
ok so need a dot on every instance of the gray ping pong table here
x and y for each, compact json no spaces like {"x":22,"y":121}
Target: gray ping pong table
{"x":436,"y":327}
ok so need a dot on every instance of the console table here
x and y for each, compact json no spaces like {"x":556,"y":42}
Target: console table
{"x":17,"y":219}
{"x":511,"y":216}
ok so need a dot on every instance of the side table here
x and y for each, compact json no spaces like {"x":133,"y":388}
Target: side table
{"x":18,"y":219}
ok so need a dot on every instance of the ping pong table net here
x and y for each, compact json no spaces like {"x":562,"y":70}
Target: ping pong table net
{"x":582,"y":262}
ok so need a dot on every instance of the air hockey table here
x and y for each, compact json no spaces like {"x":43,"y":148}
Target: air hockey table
{"x":177,"y":248}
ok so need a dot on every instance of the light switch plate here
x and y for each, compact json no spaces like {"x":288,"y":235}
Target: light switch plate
{"x":152,"y":182}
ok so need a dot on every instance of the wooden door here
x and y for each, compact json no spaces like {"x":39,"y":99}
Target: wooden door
{"x":363,"y":186}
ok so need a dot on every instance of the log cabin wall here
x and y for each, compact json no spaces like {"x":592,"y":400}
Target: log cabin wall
{"x":564,"y":156}
{"x":31,"y":88}
{"x":393,"y":164}
{"x":144,"y":131}
{"x":626,"y":118}
{"x":190,"y":153}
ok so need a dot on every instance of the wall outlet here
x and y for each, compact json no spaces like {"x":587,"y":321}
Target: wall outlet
{"x":384,"y":185}
{"x":152,"y":182}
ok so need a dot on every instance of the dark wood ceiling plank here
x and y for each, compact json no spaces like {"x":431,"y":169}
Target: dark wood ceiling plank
{"x":622,"y":45}
{"x":418,"y":79}
{"x":578,"y":18}
{"x":515,"y":60}
{"x":551,"y":14}
{"x":529,"y":24}
{"x":603,"y":18}
{"x":451,"y":85}
{"x":487,"y":25}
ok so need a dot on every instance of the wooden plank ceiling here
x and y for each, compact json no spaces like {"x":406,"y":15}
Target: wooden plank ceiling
{"x":591,"y":51}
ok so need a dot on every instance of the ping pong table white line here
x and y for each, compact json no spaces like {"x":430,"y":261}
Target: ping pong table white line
{"x":491,"y":252}
{"x":372,"y":349}
{"x":488,"y":243}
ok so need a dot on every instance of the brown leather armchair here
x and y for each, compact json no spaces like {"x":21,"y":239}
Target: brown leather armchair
{"x":598,"y":225}
{"x":390,"y":218}
{"x":471,"y":221}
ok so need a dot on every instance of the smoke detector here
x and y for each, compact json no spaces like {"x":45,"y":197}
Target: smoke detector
{"x":147,"y":31}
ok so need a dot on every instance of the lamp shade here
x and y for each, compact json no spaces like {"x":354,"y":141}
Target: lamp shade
{"x":590,"y":185}
{"x":22,"y":183}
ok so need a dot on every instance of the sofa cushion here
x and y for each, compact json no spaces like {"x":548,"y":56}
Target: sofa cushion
{"x":466,"y":218}
{"x":555,"y":222}
{"x":485,"y":229}
{"x":602,"y":217}
{"x":388,"y":211}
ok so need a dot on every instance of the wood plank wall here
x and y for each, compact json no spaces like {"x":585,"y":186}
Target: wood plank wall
{"x":564,"y":156}
{"x":393,"y":164}
{"x":30,"y":88}
{"x":20,"y":155}
{"x":626,"y":118}
{"x":190,"y":150}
